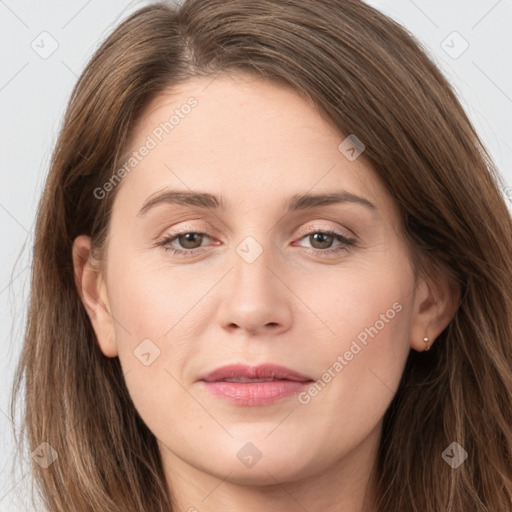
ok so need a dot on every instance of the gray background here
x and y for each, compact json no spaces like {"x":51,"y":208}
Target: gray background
{"x":44,"y":47}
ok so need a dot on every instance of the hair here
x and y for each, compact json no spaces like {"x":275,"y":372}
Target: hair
{"x":368,"y":76}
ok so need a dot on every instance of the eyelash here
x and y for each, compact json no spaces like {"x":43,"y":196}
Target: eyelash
{"x":346,"y":243}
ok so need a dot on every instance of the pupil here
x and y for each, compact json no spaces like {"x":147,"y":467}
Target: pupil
{"x":326,"y":239}
{"x":189,"y":238}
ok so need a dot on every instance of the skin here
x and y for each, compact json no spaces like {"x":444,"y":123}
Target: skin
{"x":255,"y":144}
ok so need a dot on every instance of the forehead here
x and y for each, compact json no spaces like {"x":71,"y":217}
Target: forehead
{"x":235,"y":135}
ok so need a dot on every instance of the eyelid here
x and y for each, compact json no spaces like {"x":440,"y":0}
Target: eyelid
{"x":317,"y":227}
{"x":346,"y":241}
{"x":186,"y":228}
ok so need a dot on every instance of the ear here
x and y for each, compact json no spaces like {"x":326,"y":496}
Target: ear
{"x":93,"y":292}
{"x":435,"y":303}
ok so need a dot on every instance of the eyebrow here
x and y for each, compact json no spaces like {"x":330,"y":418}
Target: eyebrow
{"x":297,"y":202}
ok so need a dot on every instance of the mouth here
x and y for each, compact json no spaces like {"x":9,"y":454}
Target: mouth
{"x":262,"y":373}
{"x":245,"y":379}
{"x":254,"y":385}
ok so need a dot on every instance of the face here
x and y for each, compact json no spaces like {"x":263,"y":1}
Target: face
{"x":265,"y":269}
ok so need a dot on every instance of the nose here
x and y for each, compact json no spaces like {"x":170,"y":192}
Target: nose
{"x":255,"y":297}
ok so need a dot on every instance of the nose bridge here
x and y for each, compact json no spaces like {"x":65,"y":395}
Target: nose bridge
{"x":252,"y":259}
{"x":254,"y":297}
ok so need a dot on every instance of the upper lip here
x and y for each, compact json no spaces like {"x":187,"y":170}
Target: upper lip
{"x":263,"y":371}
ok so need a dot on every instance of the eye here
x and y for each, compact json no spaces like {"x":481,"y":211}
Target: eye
{"x":191,"y":242}
{"x":324,"y":240}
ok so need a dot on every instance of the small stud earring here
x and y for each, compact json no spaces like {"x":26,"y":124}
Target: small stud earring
{"x":426,"y":340}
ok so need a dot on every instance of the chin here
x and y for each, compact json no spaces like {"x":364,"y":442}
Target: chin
{"x":260,"y":465}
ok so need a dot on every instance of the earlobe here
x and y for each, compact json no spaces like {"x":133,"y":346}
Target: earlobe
{"x":435,"y":304}
{"x":92,"y":290}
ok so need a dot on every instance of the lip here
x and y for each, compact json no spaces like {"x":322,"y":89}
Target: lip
{"x":258,"y":385}
{"x":263,"y":371}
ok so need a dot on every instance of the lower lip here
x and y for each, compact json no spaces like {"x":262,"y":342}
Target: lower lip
{"x":255,"y":393}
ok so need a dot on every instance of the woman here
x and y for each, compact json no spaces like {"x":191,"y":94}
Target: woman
{"x":272,"y":271}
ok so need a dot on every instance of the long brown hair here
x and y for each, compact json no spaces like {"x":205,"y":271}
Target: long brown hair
{"x":370,"y":77}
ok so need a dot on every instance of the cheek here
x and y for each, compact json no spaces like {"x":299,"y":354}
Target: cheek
{"x":352,"y":303}
{"x":362,"y":363}
{"x":150,"y":300}
{"x":155,"y":328}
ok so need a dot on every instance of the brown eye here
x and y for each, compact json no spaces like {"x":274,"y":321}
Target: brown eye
{"x":322,"y":240}
{"x":186,"y":243}
{"x":190,"y":240}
